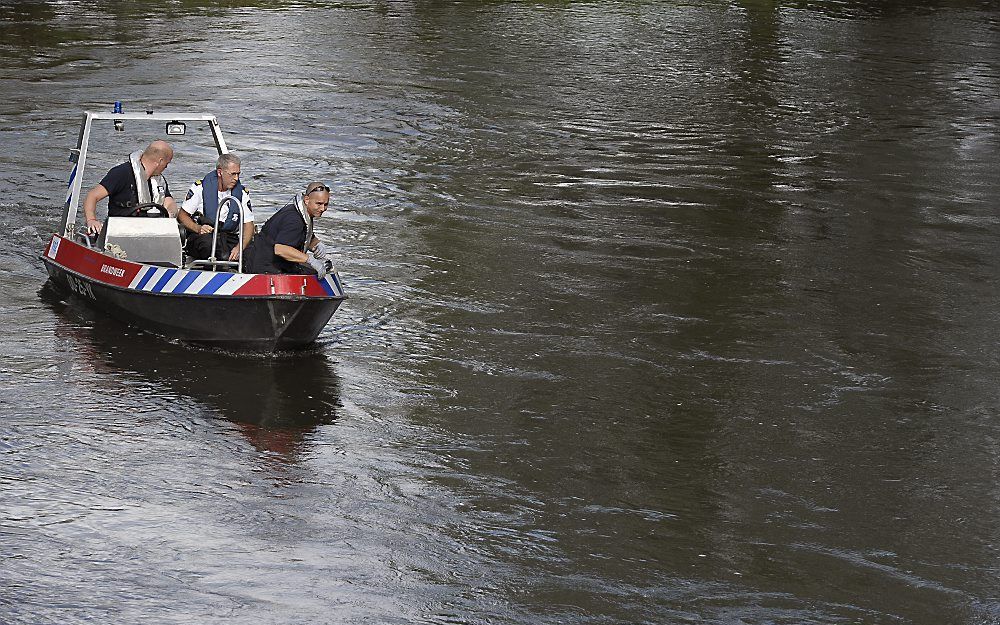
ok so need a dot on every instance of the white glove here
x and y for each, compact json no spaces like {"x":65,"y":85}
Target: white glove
{"x":321,"y":251}
{"x":322,"y":266}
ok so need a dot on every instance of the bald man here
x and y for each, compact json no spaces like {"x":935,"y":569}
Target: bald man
{"x":139,"y":180}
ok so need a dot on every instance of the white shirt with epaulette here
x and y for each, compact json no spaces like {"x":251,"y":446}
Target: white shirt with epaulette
{"x":193,"y":203}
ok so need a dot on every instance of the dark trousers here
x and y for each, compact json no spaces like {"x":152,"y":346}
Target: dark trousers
{"x":199,"y":246}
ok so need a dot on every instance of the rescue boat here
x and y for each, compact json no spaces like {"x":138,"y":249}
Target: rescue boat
{"x":137,"y":272}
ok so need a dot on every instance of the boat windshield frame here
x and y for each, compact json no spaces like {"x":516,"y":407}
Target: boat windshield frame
{"x":78,"y":155}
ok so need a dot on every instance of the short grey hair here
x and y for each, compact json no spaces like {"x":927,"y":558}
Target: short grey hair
{"x":225,"y":160}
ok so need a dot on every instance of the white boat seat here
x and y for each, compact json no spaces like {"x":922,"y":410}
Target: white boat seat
{"x":151,"y":240}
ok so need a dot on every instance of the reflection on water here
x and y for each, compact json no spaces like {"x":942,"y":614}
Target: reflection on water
{"x":276,"y":401}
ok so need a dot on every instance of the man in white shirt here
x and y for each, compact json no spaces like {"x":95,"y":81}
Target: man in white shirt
{"x":207,"y":204}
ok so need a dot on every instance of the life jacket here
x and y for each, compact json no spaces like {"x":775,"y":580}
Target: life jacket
{"x":306,"y":217}
{"x":158,"y":183}
{"x":229,"y":220}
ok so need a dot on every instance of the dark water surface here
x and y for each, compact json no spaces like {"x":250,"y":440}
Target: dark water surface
{"x":660,"y":313}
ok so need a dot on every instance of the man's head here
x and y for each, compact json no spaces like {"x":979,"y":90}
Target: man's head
{"x":156,"y":157}
{"x":316,"y":198}
{"x":228,"y":170}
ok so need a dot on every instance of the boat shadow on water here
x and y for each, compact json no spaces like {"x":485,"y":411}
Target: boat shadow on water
{"x":275,"y":400}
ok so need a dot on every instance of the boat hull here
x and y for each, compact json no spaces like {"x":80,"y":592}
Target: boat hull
{"x":229,"y":311}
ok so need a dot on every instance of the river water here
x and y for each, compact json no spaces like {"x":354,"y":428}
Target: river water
{"x":660,"y":312}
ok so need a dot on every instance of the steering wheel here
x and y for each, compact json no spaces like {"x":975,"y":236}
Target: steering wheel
{"x":142,"y":210}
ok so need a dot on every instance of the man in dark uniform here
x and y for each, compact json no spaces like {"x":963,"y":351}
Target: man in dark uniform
{"x":136,"y":181}
{"x":286,"y":244}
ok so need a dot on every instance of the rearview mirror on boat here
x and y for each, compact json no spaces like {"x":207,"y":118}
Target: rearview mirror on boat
{"x":176,"y":128}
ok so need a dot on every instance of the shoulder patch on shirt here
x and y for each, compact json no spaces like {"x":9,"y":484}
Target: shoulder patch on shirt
{"x":189,"y":195}
{"x":197,"y":182}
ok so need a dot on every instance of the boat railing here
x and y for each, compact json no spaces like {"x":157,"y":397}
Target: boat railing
{"x":212,"y":261}
{"x":84,"y":237}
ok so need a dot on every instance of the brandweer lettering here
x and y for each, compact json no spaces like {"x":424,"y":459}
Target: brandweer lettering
{"x":114,"y":271}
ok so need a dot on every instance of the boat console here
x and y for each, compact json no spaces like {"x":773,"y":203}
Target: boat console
{"x":142,"y":240}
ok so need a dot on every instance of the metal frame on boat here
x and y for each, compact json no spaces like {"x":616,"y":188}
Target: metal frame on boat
{"x":137,"y":273}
